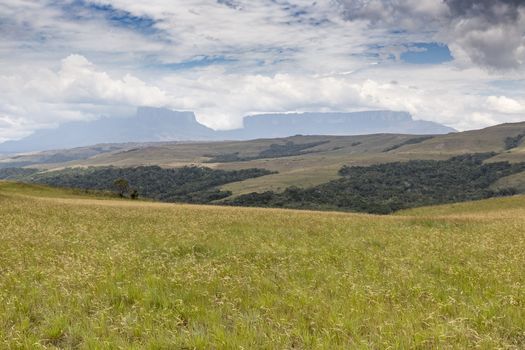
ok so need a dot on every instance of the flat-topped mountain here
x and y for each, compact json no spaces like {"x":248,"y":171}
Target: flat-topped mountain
{"x":160,"y":124}
{"x":356,"y":123}
{"x":149,"y":124}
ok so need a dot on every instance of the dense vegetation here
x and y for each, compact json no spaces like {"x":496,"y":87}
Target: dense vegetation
{"x":187,"y":184}
{"x":381,"y":188}
{"x":274,"y":151}
{"x":412,"y":141}
{"x":16,"y":173}
{"x":81,"y":273}
{"x":17,"y":164}
{"x":385,"y":188}
{"x":513,"y":142}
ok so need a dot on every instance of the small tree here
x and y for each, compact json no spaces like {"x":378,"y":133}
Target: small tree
{"x":134,"y":194}
{"x":121,"y":186}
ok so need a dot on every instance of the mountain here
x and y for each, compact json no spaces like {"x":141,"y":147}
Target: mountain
{"x":357,"y":123}
{"x":159,"y":124}
{"x":149,"y":124}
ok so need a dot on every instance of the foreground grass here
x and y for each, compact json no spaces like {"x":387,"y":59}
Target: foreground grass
{"x":85,"y":273}
{"x":36,"y":190}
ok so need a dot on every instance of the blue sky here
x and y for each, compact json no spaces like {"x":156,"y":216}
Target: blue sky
{"x":427,"y":53}
{"x":460,"y":63}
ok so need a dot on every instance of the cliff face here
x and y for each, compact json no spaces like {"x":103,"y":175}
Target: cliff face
{"x":282,"y":125}
{"x":149,"y":124}
{"x":160,"y":124}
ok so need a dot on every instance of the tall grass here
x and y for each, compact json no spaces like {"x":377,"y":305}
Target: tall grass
{"x":85,"y":273}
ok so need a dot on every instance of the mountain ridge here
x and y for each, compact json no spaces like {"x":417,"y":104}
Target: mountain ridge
{"x":160,"y":124}
{"x":339,"y":124}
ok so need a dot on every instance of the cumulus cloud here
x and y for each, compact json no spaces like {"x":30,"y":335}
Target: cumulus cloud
{"x":225,"y":59}
{"x":489,"y":33}
{"x":11,"y":128}
{"x":505,"y":104}
{"x":79,"y":81}
{"x":78,"y":90}
{"x":407,"y":14}
{"x":221,"y":100}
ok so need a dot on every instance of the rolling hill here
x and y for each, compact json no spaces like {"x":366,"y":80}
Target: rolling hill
{"x":81,"y":271}
{"x":302,"y":161}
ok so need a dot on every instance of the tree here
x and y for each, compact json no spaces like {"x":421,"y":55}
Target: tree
{"x":134,"y":194}
{"x":122,"y":186}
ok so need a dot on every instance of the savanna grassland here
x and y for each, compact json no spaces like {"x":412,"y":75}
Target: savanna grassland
{"x":299,"y":161}
{"x":91,"y":273}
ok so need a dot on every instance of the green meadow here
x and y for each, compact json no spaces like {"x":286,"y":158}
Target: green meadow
{"x":82,"y":272}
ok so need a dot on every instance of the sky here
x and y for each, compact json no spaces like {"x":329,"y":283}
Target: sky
{"x":456,"y":62}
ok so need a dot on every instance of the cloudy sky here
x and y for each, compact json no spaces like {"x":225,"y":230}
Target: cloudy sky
{"x":458,"y":62}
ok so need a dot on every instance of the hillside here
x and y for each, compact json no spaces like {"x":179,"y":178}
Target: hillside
{"x":378,"y":189}
{"x":302,"y":161}
{"x":491,"y":139}
{"x":80,"y":272}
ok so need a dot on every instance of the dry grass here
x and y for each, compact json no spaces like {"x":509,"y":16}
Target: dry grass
{"x":85,"y":273}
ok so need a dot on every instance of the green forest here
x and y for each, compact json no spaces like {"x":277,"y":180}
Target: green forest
{"x":274,"y":151}
{"x":381,"y":188}
{"x":187,"y":184}
{"x":513,"y":142}
{"x":16,"y":173}
{"x":412,"y":141}
{"x":385,"y":188}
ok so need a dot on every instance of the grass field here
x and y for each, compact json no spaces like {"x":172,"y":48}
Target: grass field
{"x":80,"y":272}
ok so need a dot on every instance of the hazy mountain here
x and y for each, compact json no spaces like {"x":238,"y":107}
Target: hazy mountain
{"x":149,"y":124}
{"x":158,"y":124}
{"x":357,"y":123}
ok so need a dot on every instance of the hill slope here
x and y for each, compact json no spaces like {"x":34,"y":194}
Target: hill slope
{"x":302,"y":161}
{"x":85,"y":273}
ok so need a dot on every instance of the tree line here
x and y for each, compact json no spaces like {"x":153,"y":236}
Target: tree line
{"x":385,"y":188}
{"x":274,"y":151}
{"x":381,"y":188}
{"x":187,"y":184}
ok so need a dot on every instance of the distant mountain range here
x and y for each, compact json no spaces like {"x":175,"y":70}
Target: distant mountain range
{"x":357,"y":123}
{"x":159,"y":124}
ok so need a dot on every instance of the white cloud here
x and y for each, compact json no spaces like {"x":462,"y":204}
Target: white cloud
{"x":220,"y":99}
{"x":78,"y":90}
{"x":78,"y":80}
{"x":11,"y":128}
{"x":438,"y":95}
{"x":272,"y":56}
{"x":503,"y":104}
